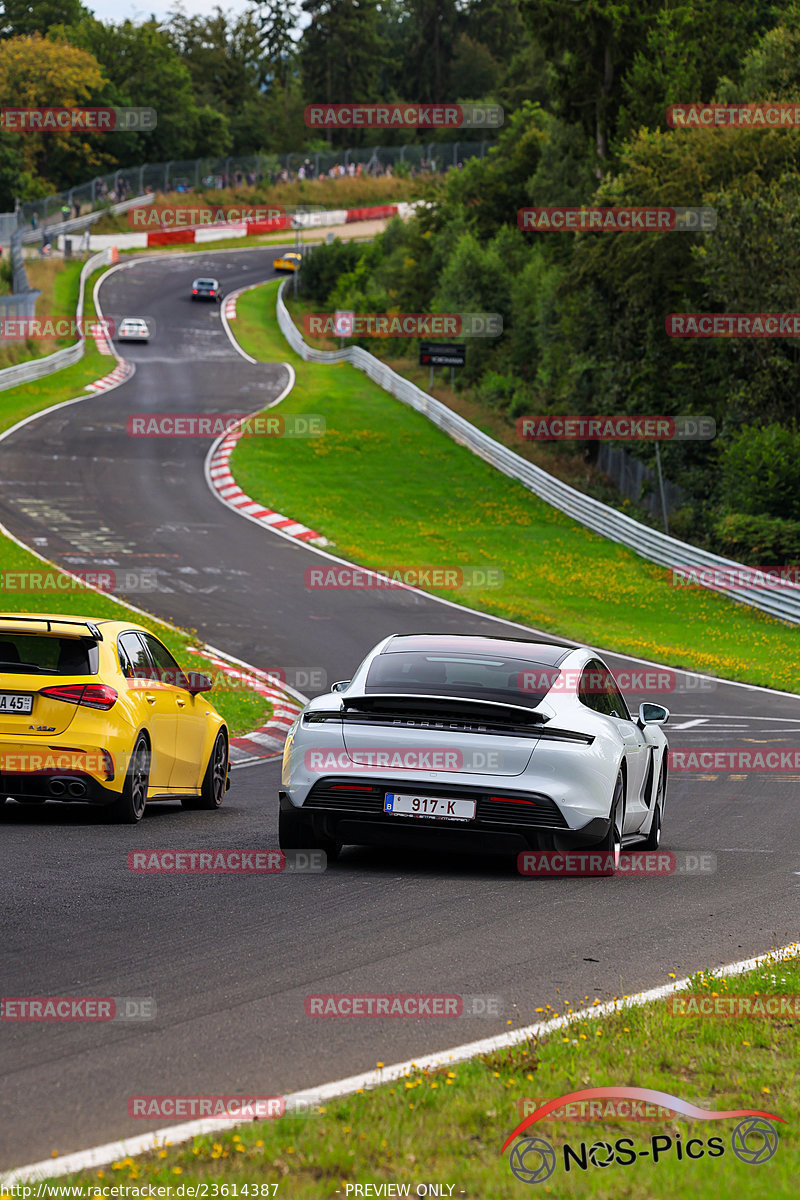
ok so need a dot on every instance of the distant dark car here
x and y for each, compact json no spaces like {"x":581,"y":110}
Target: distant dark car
{"x":206,"y":289}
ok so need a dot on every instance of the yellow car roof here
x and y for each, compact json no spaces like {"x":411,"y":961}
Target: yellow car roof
{"x":69,"y":624}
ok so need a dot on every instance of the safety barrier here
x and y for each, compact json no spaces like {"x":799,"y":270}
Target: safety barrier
{"x":37,"y":368}
{"x":782,"y":602}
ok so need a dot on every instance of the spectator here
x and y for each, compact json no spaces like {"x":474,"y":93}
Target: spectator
{"x":64,"y":212}
{"x":35,"y":221}
{"x":77,"y":207}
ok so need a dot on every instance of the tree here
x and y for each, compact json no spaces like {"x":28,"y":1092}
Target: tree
{"x":225,"y":62}
{"x":679,"y":63}
{"x":20,"y":18}
{"x":35,"y":71}
{"x":340,"y":54}
{"x":590,"y":45}
{"x":433,"y":31}
{"x":144,"y":69}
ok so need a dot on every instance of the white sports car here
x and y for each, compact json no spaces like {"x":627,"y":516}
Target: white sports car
{"x":490,"y":743}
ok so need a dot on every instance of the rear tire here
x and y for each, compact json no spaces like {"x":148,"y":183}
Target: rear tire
{"x":653,"y":839}
{"x":611,"y":844}
{"x":129,"y":808}
{"x":296,"y":832}
{"x":212,"y":790}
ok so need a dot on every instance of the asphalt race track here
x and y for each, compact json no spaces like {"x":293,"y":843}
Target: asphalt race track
{"x":229,"y":959}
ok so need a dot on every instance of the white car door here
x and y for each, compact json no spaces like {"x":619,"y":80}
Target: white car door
{"x":610,"y":702}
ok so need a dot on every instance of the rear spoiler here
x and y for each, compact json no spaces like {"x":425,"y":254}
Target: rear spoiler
{"x":49,"y":622}
{"x":383,"y":701}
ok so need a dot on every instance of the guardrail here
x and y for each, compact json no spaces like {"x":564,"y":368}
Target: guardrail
{"x":37,"y":368}
{"x":651,"y":544}
{"x":58,"y":228}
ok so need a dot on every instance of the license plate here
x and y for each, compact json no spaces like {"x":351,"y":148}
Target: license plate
{"x":404,"y":805}
{"x":16,"y":702}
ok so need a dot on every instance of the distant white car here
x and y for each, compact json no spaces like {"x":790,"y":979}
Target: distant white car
{"x":133,"y":329}
{"x":499,"y":742}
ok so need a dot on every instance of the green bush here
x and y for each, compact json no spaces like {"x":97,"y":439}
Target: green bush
{"x":760,"y":473}
{"x":762,"y":540}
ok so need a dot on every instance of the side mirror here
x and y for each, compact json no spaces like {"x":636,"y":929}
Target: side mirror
{"x":653,"y":714}
{"x":195,"y":682}
{"x":340,"y":685}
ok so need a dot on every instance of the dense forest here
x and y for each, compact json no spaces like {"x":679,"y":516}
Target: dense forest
{"x":585,"y":86}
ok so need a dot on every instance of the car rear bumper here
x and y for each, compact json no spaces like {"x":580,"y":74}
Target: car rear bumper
{"x":355,"y":814}
{"x":76,"y":787}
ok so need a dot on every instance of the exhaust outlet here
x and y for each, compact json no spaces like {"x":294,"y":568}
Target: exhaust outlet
{"x":76,"y":789}
{"x":57,"y":787}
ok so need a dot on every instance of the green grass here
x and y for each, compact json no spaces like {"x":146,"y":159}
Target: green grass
{"x":59,"y":285}
{"x":20,"y":402}
{"x":391,"y":490}
{"x":448,"y":1125}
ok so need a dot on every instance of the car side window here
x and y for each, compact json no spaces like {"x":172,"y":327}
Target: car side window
{"x":592,"y":690}
{"x":616,"y":701}
{"x":133,"y":657}
{"x":598,"y":691}
{"x":168,"y":669}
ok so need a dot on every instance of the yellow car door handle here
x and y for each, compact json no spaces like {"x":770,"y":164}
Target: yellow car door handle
{"x":181,"y":703}
{"x":150,"y":699}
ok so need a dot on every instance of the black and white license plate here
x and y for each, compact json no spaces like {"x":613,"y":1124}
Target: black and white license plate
{"x":16,"y":702}
{"x":407,"y":805}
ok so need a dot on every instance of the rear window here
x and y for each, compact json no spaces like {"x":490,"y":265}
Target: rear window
{"x":206,"y":282}
{"x":24,"y":653}
{"x":473,"y":677}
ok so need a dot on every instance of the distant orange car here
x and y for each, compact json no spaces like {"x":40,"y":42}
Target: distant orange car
{"x":290,"y":261}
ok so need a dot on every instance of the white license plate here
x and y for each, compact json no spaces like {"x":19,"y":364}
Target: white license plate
{"x":16,"y":702}
{"x":428,"y":806}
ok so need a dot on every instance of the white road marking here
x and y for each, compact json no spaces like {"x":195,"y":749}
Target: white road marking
{"x":690,"y":724}
{"x":102,"y":1156}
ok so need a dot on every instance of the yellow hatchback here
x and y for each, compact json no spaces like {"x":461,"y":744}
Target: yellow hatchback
{"x":290,"y":261}
{"x":98,"y":711}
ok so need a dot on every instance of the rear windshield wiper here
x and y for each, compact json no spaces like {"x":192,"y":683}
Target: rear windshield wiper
{"x":20,"y":667}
